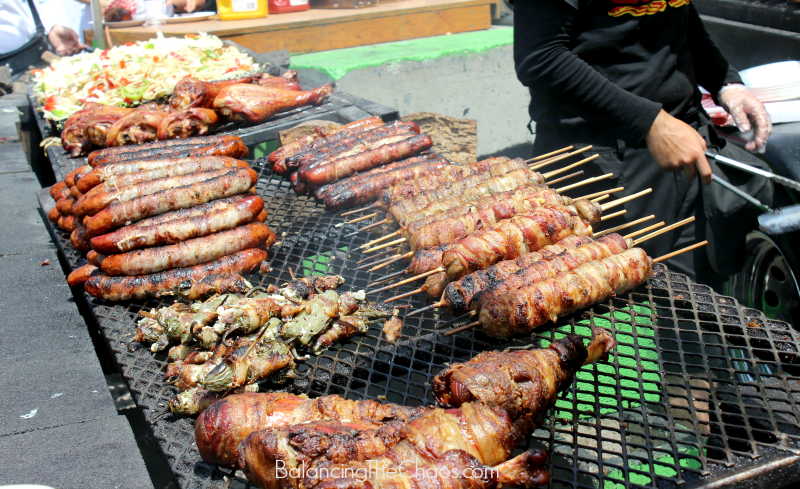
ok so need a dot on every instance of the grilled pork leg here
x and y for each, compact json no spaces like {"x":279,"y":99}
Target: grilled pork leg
{"x":187,"y":123}
{"x":140,"y":126}
{"x":256,"y":103}
{"x":192,"y":93}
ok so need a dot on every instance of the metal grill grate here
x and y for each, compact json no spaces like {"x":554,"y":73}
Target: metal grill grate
{"x":696,"y":386}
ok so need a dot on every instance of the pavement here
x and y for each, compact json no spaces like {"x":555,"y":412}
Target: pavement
{"x":59,"y":426}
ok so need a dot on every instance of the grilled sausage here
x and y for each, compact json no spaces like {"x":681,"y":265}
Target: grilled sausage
{"x":99,"y":157}
{"x":157,"y":284}
{"x":232,"y":148}
{"x":79,"y":276}
{"x":186,"y":253}
{"x":96,"y":203}
{"x":56,"y":188}
{"x":79,"y":241}
{"x":232,"y":183}
{"x":204,"y":163}
{"x":62,"y":193}
{"x":95,"y":258}
{"x":218,"y":283}
{"x":68,"y":223}
{"x":216,"y":218}
{"x":346,"y":166}
{"x":74,"y":192}
{"x":69,"y":179}
{"x":106,"y":172}
{"x":369,"y":190}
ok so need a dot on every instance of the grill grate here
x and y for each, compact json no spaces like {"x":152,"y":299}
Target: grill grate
{"x":696,"y":386}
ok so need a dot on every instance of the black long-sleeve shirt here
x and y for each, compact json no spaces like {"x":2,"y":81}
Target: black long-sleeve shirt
{"x":609,"y":66}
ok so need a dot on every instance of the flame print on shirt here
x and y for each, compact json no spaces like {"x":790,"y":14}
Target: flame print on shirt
{"x":650,"y":8}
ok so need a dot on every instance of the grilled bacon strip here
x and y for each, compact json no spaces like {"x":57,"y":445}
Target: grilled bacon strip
{"x":172,"y":281}
{"x":182,"y":225}
{"x":511,"y":238}
{"x":221,"y":427}
{"x":232,"y":183}
{"x":347,"y":165}
{"x":187,"y":123}
{"x":366,"y":191}
{"x":530,"y":307}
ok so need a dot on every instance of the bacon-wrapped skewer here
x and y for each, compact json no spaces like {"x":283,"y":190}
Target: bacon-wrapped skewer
{"x":530,"y":307}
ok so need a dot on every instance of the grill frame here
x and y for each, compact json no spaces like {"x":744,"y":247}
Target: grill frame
{"x":690,"y":326}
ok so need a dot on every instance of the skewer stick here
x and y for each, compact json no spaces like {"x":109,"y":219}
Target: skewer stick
{"x":426,"y":308}
{"x":387,"y":278}
{"x":584,"y":182}
{"x":386,"y":264}
{"x":604,"y":192}
{"x":613,"y":215}
{"x":374,"y":224}
{"x":644,"y":230}
{"x":376,"y":262}
{"x":403,"y":296}
{"x":623,"y":226}
{"x":558,"y":158}
{"x":362,"y":218}
{"x":567,"y":177}
{"x":569,"y":167}
{"x":387,"y":252}
{"x":623,"y":200}
{"x":662,"y":231}
{"x":462,"y":328}
{"x":602,"y":197}
{"x":356,"y":211}
{"x":548,"y":155}
{"x":676,"y":253}
{"x":386,"y":245}
{"x":408,"y":280}
{"x":375,"y":241}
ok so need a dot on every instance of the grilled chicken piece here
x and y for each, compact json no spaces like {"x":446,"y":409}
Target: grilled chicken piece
{"x":287,"y":81}
{"x":89,"y":127}
{"x":140,"y":126}
{"x":183,"y":124}
{"x":192,"y":93}
{"x":256,"y":103}
{"x":221,"y":427}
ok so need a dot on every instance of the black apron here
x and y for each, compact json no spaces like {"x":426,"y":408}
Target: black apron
{"x":31,"y":53}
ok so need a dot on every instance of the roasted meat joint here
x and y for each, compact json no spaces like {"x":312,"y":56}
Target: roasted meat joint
{"x":360,"y":306}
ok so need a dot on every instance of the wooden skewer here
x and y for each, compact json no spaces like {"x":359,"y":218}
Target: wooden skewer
{"x":403,"y":296}
{"x":558,"y":158}
{"x":385,"y":245}
{"x":387,"y":252}
{"x":362,"y":218}
{"x":644,"y":230}
{"x":602,"y":197}
{"x":386,"y":278}
{"x":387,"y":263}
{"x":569,"y":167}
{"x":376,"y":241}
{"x":408,"y":280}
{"x":426,"y":308}
{"x":548,"y":155}
{"x":147,"y":314}
{"x":374,"y":224}
{"x":623,"y":200}
{"x":585,"y":182}
{"x":462,"y":328}
{"x":613,"y":215}
{"x":676,"y":253}
{"x":662,"y":231}
{"x":566,"y":177}
{"x":388,"y":260}
{"x":623,"y":226}
{"x":604,"y":192}
{"x":358,"y":210}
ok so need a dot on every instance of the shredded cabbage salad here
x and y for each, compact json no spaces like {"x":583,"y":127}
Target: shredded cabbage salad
{"x":137,"y":71}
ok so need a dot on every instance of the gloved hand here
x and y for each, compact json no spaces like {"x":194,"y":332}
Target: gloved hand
{"x":747,"y":111}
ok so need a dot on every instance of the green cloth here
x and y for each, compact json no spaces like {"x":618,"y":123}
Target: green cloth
{"x":337,"y":63}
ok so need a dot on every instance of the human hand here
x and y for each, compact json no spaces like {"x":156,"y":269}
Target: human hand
{"x":676,"y":146}
{"x":65,"y":41}
{"x":747,"y":111}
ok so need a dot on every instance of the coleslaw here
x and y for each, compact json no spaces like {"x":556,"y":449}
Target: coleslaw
{"x":136,"y":72}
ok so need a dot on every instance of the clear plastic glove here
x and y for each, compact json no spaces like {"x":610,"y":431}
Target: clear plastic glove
{"x":749,"y":115}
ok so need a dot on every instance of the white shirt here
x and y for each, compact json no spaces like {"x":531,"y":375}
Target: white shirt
{"x":16,"y":25}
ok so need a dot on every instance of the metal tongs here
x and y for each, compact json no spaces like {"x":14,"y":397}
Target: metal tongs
{"x":786,"y":182}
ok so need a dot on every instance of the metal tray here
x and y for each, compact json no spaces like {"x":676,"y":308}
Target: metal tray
{"x":699,"y":391}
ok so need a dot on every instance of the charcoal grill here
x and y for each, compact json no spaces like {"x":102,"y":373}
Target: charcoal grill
{"x":699,"y":391}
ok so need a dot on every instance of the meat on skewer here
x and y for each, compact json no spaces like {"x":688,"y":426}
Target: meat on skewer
{"x":530,"y":307}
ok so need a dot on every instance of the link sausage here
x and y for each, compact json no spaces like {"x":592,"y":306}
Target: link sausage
{"x":79,"y":276}
{"x":157,"y":284}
